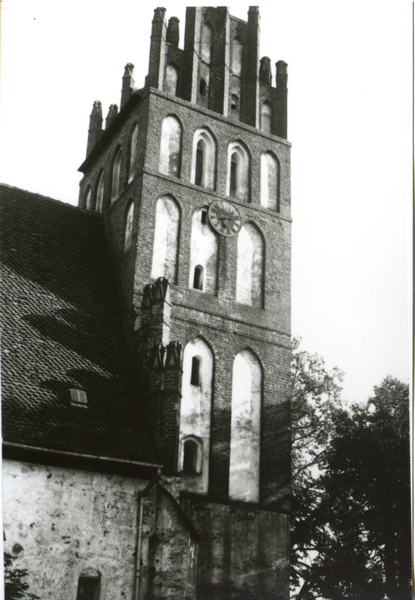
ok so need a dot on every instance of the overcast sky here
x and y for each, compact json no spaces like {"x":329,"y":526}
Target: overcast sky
{"x":349,"y":120}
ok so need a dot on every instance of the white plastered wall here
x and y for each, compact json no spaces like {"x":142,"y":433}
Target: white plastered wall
{"x":250,"y":266}
{"x":269,"y":182}
{"x":166,"y":238}
{"x":170,"y":147}
{"x":116,"y":173}
{"x":170,"y":81}
{"x":129,"y":228}
{"x":204,"y":252}
{"x":209,"y":158}
{"x":133,"y":154}
{"x":243,"y":170}
{"x":196,"y":409}
{"x":245,"y":428}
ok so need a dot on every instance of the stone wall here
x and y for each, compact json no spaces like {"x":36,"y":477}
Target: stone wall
{"x":61,"y":523}
{"x":244,"y":551}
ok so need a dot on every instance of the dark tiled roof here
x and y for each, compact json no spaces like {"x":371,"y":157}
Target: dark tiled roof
{"x":62,"y":329}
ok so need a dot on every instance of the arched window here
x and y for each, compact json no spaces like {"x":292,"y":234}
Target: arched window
{"x":198,"y":278}
{"x":89,"y":585}
{"x":116,"y":175}
{"x":100,"y":194}
{"x":238,"y":172}
{"x":266,"y":117}
{"x":132,"y":168}
{"x":237,"y":49}
{"x":206,"y":43}
{"x":203,"y":87}
{"x":195,"y":374}
{"x":171,"y":147}
{"x":166,"y":239}
{"x":204,"y":159}
{"x":269,"y":182}
{"x":235,"y":102}
{"x":170,"y":83}
{"x":195,"y":412}
{"x":128,"y":238}
{"x":190,"y":452}
{"x":88,"y":198}
{"x":250,"y":268}
{"x":245,"y":428}
{"x":204,"y":254}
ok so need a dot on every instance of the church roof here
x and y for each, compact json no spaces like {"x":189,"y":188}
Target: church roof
{"x":63,"y":331}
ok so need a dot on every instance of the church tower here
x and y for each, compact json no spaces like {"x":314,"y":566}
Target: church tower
{"x":192,"y":176}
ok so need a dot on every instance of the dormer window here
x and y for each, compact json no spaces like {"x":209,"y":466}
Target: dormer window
{"x":78,"y":398}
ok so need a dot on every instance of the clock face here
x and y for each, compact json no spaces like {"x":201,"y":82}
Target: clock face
{"x":225,"y":218}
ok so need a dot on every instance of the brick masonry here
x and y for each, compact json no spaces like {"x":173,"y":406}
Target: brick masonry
{"x":228,"y":327}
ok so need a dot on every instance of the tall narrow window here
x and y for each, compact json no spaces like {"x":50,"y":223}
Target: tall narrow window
{"x":170,"y":83}
{"x":234,"y":168}
{"x":195,"y":375}
{"x":190,"y":456}
{"x":198,"y":278}
{"x":88,"y":199}
{"x":129,"y":228}
{"x":170,"y":147}
{"x":266,"y":117}
{"x":238,"y":172}
{"x":199,"y":162}
{"x":195,"y":412}
{"x":100,"y":194}
{"x":166,"y":239}
{"x":116,"y":175}
{"x":132,"y":169}
{"x":269,"y":182}
{"x":203,"y":87}
{"x":250,"y":266}
{"x":203,"y":256}
{"x":204,"y":159}
{"x":245,"y":428}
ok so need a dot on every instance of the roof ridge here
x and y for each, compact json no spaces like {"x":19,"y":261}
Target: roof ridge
{"x":49,"y":199}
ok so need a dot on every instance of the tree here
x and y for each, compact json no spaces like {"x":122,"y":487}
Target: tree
{"x":14,"y":587}
{"x":352,"y":541}
{"x":315,"y":400}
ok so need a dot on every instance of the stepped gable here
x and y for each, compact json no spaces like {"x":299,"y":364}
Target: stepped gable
{"x":63,"y":330}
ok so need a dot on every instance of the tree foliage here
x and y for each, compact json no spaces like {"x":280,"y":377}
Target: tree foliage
{"x":351,"y":493}
{"x":14,"y":586}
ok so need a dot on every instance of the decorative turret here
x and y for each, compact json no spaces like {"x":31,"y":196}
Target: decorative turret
{"x":95,"y":126}
{"x":127,"y":83}
{"x":157,"y":50}
{"x":282,"y":75}
{"x":265,"y":75}
{"x":282,"y":78}
{"x":112,"y":113}
{"x":173,"y":32}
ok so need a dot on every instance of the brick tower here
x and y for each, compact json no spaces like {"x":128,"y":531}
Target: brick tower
{"x":193,"y":177}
